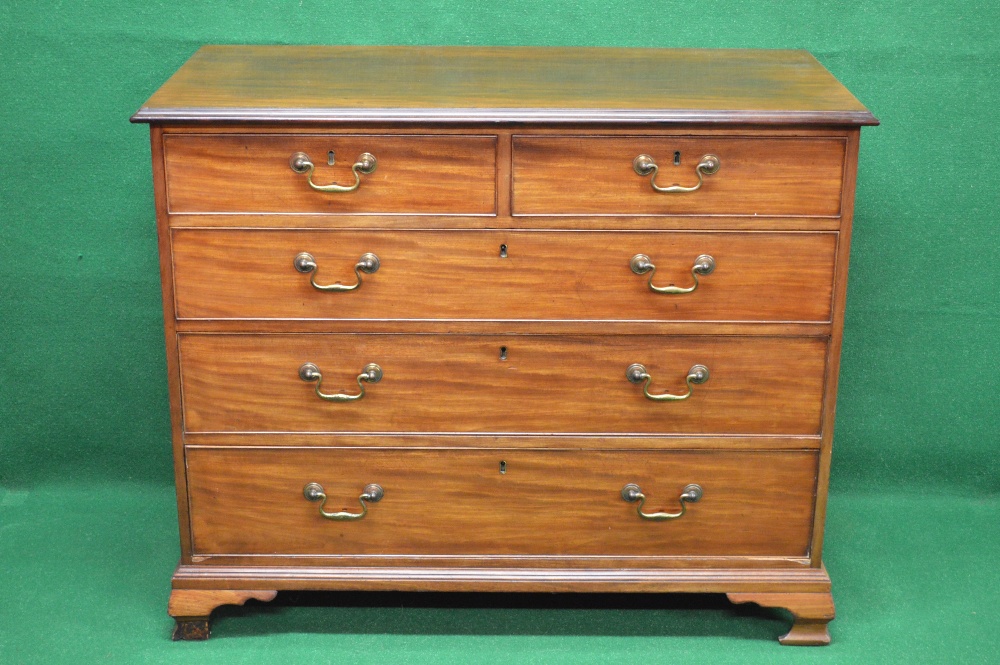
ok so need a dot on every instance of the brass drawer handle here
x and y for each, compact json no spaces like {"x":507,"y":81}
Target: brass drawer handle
{"x":644,"y":166}
{"x":631,"y":493}
{"x":703,"y":265}
{"x":371,"y":494}
{"x":637,"y":373}
{"x":301,"y":164}
{"x":367,"y":264}
{"x":372,"y":373}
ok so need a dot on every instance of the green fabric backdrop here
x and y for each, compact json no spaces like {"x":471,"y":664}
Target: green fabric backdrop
{"x":85,"y":469}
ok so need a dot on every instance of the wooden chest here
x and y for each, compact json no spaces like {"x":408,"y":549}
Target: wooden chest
{"x":503,"y":319}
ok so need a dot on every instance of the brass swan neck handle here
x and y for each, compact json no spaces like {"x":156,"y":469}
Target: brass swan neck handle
{"x":644,"y":165}
{"x":300,"y":163}
{"x":636,"y":373}
{"x":704,"y":265}
{"x":631,"y":493}
{"x":371,"y":373}
{"x":372,"y":493}
{"x":368,"y":264}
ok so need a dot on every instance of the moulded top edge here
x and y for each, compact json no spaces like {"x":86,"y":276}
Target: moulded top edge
{"x":499,"y":115}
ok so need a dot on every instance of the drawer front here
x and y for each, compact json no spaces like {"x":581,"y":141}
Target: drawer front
{"x":240,"y":273}
{"x":252,"y":173}
{"x":456,"y":502}
{"x":756,"y":176}
{"x":459,"y":383}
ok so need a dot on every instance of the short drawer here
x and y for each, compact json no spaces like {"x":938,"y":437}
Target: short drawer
{"x":488,"y":275}
{"x":253,"y":173}
{"x":500,"y":502}
{"x":755,"y":176}
{"x":505,"y":384}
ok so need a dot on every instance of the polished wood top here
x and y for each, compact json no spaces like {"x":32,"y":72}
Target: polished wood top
{"x":493,"y":84}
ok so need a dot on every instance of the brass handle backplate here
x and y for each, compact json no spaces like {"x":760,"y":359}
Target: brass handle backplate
{"x":644,"y":165}
{"x":371,"y":494}
{"x":632,"y":494}
{"x":371,"y":373}
{"x":637,"y":373}
{"x":303,"y":165}
{"x":703,"y":265}
{"x":367,"y":264}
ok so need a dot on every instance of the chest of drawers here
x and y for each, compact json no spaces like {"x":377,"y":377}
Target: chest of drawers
{"x":503,"y":320}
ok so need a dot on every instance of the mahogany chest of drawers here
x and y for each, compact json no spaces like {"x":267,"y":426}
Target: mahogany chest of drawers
{"x":503,"y":319}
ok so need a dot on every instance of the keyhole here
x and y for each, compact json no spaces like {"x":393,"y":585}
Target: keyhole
{"x":677,"y":157}
{"x":503,"y":353}
{"x":329,"y":158}
{"x":503,"y":251}
{"x":503,"y":467}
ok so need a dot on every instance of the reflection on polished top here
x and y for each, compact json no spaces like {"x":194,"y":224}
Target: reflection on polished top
{"x":460,"y":83}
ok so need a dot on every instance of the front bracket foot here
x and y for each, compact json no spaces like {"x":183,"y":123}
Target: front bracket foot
{"x":191,"y":608}
{"x":812,"y":612}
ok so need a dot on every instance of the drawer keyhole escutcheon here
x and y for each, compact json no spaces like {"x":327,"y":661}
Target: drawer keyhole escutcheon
{"x":503,"y":353}
{"x":631,"y":493}
{"x":372,"y":493}
{"x":330,"y":158}
{"x":704,"y":265}
{"x":368,"y":264}
{"x":503,"y":251}
{"x":644,"y":165}
{"x":677,"y":158}
{"x":371,"y":373}
{"x":301,"y":163}
{"x":636,"y":373}
{"x":503,"y":467}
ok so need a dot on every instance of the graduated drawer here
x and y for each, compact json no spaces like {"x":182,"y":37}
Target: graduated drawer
{"x":756,"y":176}
{"x":252,"y":173}
{"x":458,"y":503}
{"x":505,"y":384}
{"x":503,"y":275}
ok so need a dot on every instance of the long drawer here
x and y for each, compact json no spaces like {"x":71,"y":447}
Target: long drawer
{"x":500,"y":502}
{"x":508,"y":384}
{"x":253,"y":173}
{"x":503,"y":275}
{"x":762,"y":175}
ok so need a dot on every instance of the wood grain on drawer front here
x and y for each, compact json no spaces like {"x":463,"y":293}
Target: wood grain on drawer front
{"x":758,"y":176}
{"x":239,"y":273}
{"x":458,"y":383}
{"x":456,"y":502}
{"x":251,"y":173}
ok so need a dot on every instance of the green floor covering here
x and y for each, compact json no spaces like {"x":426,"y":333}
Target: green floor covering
{"x":86,"y":571}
